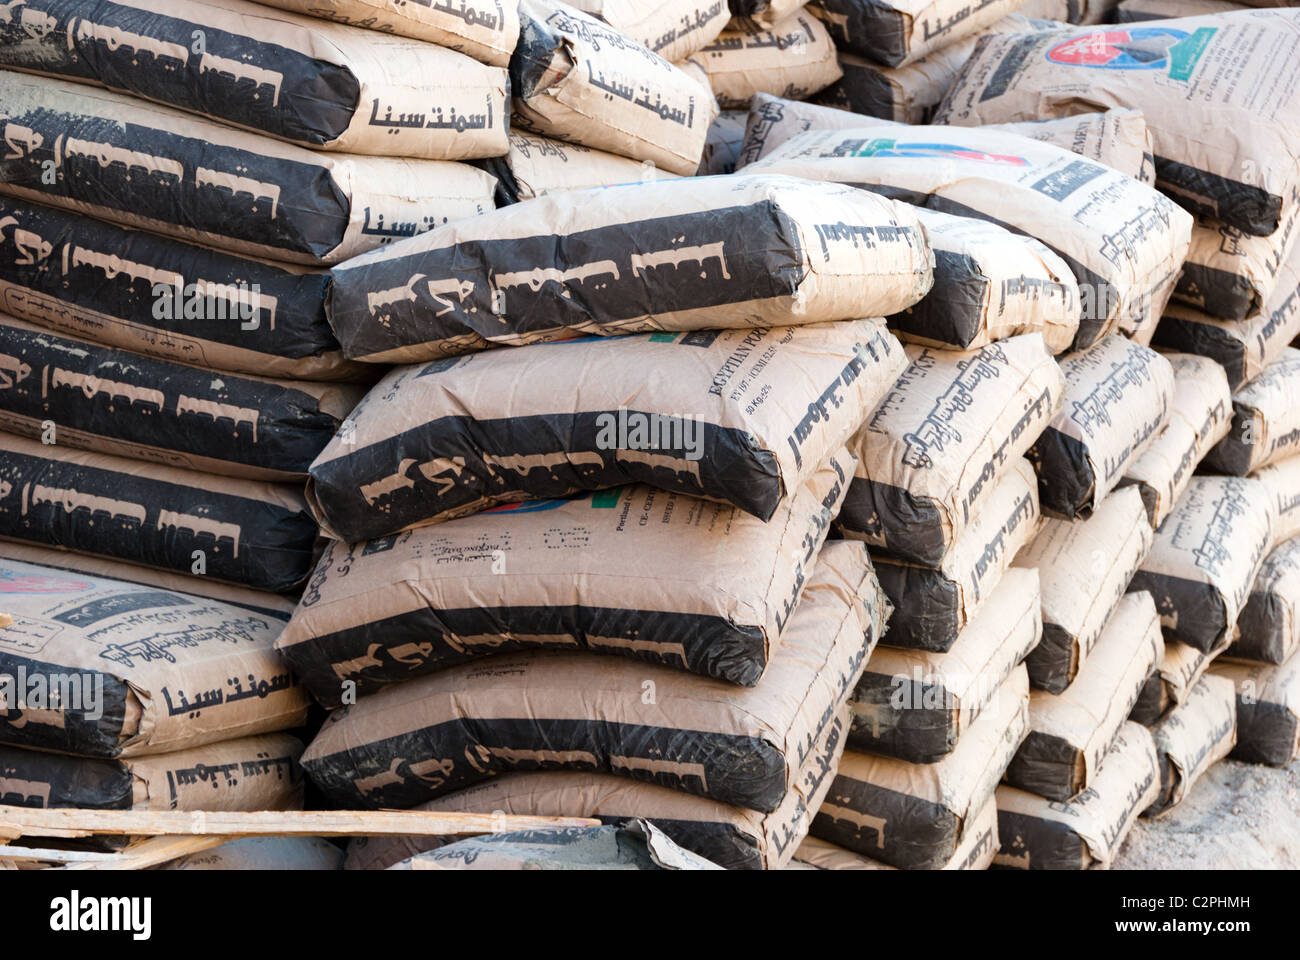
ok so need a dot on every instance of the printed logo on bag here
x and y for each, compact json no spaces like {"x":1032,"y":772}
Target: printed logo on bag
{"x":886,"y":147}
{"x":1137,"y":48}
{"x":12,"y":582}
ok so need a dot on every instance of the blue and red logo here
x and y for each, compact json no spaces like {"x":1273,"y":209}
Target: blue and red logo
{"x":888,"y":147}
{"x":14,"y":582}
{"x":1135,"y":48}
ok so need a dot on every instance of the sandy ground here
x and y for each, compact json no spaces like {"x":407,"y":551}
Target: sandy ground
{"x":1238,"y":816}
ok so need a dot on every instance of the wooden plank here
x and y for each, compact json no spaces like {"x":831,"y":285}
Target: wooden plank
{"x":43,"y":855}
{"x":151,"y":853}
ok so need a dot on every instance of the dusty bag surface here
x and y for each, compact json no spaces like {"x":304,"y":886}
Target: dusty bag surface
{"x":975,"y":852}
{"x":674,"y":29}
{"x":1084,"y":568}
{"x":793,"y":58}
{"x":116,"y":402}
{"x":105,"y":668}
{"x":915,"y":816}
{"x":1192,"y":738}
{"x":1180,"y":668}
{"x":537,"y":166}
{"x":1282,"y":481}
{"x":1200,"y":417}
{"x":1265,"y":420}
{"x":1131,"y":11}
{"x":633,"y":571}
{"x":1085,"y":834}
{"x":916,"y":705}
{"x":933,"y":605}
{"x":895,"y":32}
{"x":1124,"y":241}
{"x":1117,"y":138}
{"x":722,"y":148}
{"x":141,"y":165}
{"x":1268,"y":710}
{"x":264,"y":853}
{"x":742,"y":417}
{"x":321,"y":85}
{"x":1070,"y":732}
{"x":1180,"y":74}
{"x":685,"y":254}
{"x":1231,"y":275}
{"x":245,"y":532}
{"x":543,"y":710}
{"x":1119,"y":395}
{"x":1205,"y":557}
{"x":1269,"y":625}
{"x":934,"y":448}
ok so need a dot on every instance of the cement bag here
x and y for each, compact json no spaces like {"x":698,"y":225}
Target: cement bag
{"x":1268,"y":710}
{"x":1086,"y":833}
{"x":916,"y":705}
{"x":741,"y":417}
{"x":1119,"y":395}
{"x":316,"y":84}
{"x":932,"y":452}
{"x":722,"y":148}
{"x":895,"y":32}
{"x":486,"y":30}
{"x":542,"y":710}
{"x":1269,"y":624}
{"x":1282,"y":481}
{"x":1231,"y":275}
{"x":245,"y":532}
{"x":674,"y":29}
{"x":1180,"y":668}
{"x":933,"y":605}
{"x":1265,"y":420}
{"x":703,"y":252}
{"x":1070,"y":732}
{"x":1200,"y":418}
{"x":537,"y":166}
{"x":1117,"y":138}
{"x":793,"y":58}
{"x":140,"y":165}
{"x":575,"y":78}
{"x":264,"y":853}
{"x":160,"y":297}
{"x":1183,"y":75}
{"x":915,"y":816}
{"x":111,"y":401}
{"x":773,"y":120}
{"x":1131,"y":11}
{"x":710,"y":589}
{"x":1124,"y":241}
{"x":765,"y":12}
{"x":104,"y":668}
{"x":250,"y":773}
{"x":1084,"y":568}
{"x":1193,"y":738}
{"x":975,"y":852}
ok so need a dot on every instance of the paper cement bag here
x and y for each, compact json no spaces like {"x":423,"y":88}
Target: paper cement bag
{"x":1201,"y":416}
{"x":1070,"y":732}
{"x":544,"y":710}
{"x":264,"y":853}
{"x":722,"y":148}
{"x":765,"y":12}
{"x":1180,"y":668}
{"x":104,"y":668}
{"x":633,"y":571}
{"x":1131,"y":11}
{"x":1117,"y":138}
{"x":1266,"y":419}
{"x":915,"y":816}
{"x":932,"y":606}
{"x":1282,"y":481}
{"x":317,"y":84}
{"x":700,"y":252}
{"x":793,"y":58}
{"x":895,"y":32}
{"x":674,"y":29}
{"x":1118,"y":397}
{"x":1086,"y":833}
{"x":1205,"y":558}
{"x":538,"y":166}
{"x":1124,"y":241}
{"x":250,"y":773}
{"x":742,"y":417}
{"x":916,"y":705}
{"x":1269,"y":625}
{"x":164,"y":298}
{"x":1182,"y":74}
{"x":772,"y":120}
{"x":941,"y":437}
{"x":1193,"y":738}
{"x":1268,"y":710}
{"x":141,"y":165}
{"x":1084,"y":568}
{"x":975,"y":852}
{"x":575,"y":78}
{"x":246,"y":532}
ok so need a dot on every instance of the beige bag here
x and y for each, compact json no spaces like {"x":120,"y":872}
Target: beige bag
{"x":896,"y":32}
{"x":765,"y":12}
{"x":701,"y":252}
{"x":792,"y":58}
{"x":103,"y":668}
{"x":539,"y":166}
{"x":741,"y":417}
{"x":1266,"y":419}
{"x":722,"y":148}
{"x":1118,"y":138}
{"x":674,"y":29}
{"x":1269,"y":625}
{"x":1131,"y":11}
{"x":772,"y":120}
{"x":1192,"y":738}
{"x":1282,"y":481}
{"x":1268,"y":710}
{"x":975,"y":852}
{"x":932,"y":452}
{"x":1231,"y":275}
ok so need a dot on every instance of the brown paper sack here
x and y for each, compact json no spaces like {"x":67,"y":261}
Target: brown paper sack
{"x":765,"y":12}
{"x":1070,"y":732}
{"x":1197,"y":76}
{"x":1200,"y":418}
{"x":104,"y":668}
{"x":1282,"y":481}
{"x":740,"y":417}
{"x":1268,"y":710}
{"x":1084,"y":568}
{"x":1266,"y":419}
{"x":1087,"y":832}
{"x":538,"y":166}
{"x":674,"y":29}
{"x":941,"y":437}
{"x":915,"y":816}
{"x":316,"y":84}
{"x":701,"y":252}
{"x":1205,"y":558}
{"x":245,"y":532}
{"x":722,"y":148}
{"x":1124,"y":241}
{"x":975,"y":852}
{"x":1118,"y":138}
{"x":932,"y":606}
{"x":916,"y":705}
{"x":896,"y":32}
{"x":264,"y":853}
{"x":1119,"y":395}
{"x":1269,"y":624}
{"x":1177,"y":673}
{"x":141,"y":165}
{"x":793,"y":58}
{"x":1131,"y":11}
{"x":772,"y":120}
{"x":1193,"y":738}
